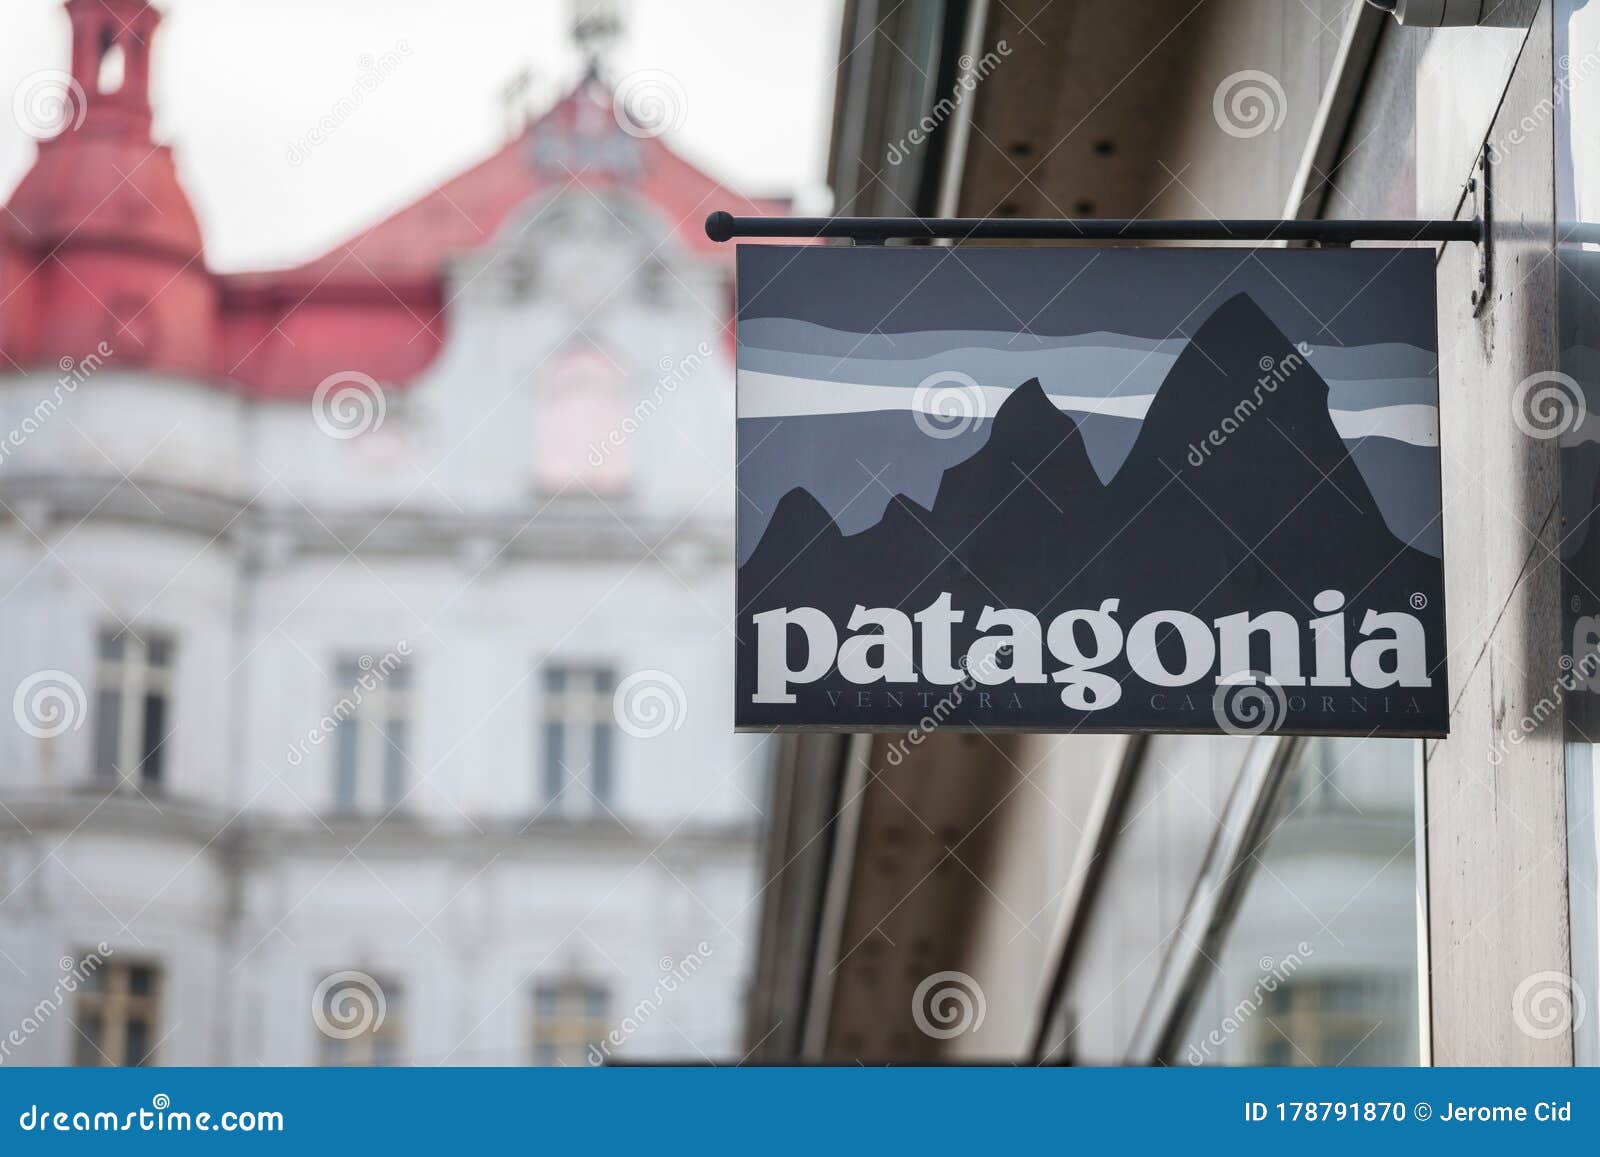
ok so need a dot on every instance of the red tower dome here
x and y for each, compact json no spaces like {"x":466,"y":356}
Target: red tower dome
{"x":99,"y":242}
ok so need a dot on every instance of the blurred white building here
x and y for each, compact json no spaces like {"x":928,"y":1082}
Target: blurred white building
{"x":368,"y":621}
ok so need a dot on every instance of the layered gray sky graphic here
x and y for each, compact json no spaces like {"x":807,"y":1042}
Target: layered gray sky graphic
{"x":830,"y":383}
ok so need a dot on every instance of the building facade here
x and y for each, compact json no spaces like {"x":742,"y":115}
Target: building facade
{"x":366,"y":619}
{"x":1164,"y":899}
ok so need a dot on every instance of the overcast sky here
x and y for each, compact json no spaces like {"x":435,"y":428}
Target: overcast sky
{"x":238,"y":81}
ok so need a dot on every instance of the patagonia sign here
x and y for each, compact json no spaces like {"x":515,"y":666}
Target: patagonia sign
{"x":1057,"y":489}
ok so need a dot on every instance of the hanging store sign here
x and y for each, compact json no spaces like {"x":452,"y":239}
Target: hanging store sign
{"x":1103,"y":490}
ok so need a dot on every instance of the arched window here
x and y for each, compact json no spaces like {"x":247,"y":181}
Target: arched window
{"x":113,"y":64}
{"x":581,"y":425}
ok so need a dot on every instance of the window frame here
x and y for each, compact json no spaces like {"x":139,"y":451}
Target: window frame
{"x":1214,"y":898}
{"x":579,"y":786}
{"x":574,"y":997}
{"x":381,"y":772}
{"x":132,"y":677}
{"x":111,"y":1000}
{"x":379,"y":1047}
{"x":583,"y":393}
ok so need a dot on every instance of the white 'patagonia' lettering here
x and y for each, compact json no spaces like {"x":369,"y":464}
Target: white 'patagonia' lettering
{"x":1082,"y":642}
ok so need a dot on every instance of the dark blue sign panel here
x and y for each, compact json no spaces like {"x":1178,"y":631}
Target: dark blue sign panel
{"x":1104,"y":490}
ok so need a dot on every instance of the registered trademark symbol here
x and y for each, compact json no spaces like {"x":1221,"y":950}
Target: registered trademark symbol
{"x":1419,"y":601}
{"x":1577,"y":604}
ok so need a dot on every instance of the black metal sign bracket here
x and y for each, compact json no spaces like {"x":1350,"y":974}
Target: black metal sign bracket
{"x":722,"y":226}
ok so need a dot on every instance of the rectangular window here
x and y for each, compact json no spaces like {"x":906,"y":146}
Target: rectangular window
{"x":569,"y":1017}
{"x":133,"y":690}
{"x":583,"y":405}
{"x":360,"y":1019}
{"x":576,"y":743}
{"x":117,"y":1013}
{"x":372,"y":734}
{"x":1334,"y":1020}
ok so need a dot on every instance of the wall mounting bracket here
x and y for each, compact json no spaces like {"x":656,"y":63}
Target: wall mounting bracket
{"x":1478,"y":190}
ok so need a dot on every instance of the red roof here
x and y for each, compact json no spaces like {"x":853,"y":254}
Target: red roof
{"x":576,"y":144}
{"x":102,"y":243}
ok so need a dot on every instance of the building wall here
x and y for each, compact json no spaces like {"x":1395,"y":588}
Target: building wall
{"x":1496,"y":837}
{"x":1205,"y":171}
{"x":270,"y":549}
